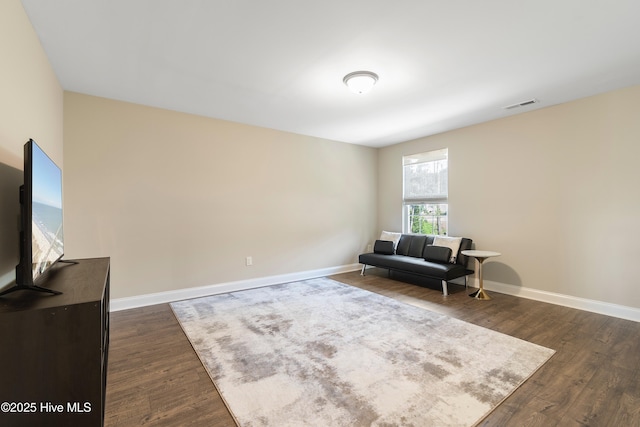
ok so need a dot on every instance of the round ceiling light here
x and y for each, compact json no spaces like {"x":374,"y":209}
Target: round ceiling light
{"x":360,"y":81}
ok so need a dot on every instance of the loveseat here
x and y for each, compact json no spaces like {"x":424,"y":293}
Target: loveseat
{"x":435,"y":257}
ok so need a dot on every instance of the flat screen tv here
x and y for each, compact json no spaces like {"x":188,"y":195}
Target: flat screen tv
{"x":41,"y":234}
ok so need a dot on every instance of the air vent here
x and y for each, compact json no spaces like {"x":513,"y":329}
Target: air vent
{"x":521,"y":104}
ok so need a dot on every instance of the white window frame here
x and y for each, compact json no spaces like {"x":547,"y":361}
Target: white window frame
{"x":425,"y":186}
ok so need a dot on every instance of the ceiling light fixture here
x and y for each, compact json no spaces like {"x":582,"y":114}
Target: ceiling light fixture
{"x":360,"y":81}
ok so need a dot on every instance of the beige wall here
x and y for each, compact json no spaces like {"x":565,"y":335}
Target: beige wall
{"x":555,"y":190}
{"x":31,"y":105}
{"x":179,"y":201}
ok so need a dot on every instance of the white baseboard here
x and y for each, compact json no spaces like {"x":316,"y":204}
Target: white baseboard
{"x":600,"y":307}
{"x":126,"y":303}
{"x":615,"y":310}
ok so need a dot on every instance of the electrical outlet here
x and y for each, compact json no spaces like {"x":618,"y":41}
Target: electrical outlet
{"x":249,"y":261}
{"x":369,"y":248}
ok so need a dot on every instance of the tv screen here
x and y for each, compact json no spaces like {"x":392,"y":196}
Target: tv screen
{"x":47,"y":239}
{"x":41,"y":237}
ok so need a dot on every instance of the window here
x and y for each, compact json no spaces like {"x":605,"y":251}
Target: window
{"x":425,"y":192}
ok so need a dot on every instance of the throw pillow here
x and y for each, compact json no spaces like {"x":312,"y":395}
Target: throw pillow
{"x":394,"y":237}
{"x":449,"y":242}
{"x":437,"y":254}
{"x":384,"y":247}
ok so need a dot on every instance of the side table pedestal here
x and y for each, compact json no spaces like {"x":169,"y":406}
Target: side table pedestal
{"x":480,"y":256}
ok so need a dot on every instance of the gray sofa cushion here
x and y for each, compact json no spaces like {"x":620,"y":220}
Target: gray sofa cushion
{"x":411,"y":245}
{"x":383,"y":247}
{"x":436,"y":253}
{"x":441,"y":271}
{"x":403,"y":245}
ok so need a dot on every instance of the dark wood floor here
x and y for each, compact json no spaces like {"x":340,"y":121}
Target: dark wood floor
{"x":155,"y":377}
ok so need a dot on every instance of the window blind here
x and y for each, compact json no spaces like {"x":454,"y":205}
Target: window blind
{"x":425,"y":177}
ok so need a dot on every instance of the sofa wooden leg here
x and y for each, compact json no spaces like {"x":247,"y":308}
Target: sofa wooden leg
{"x":364,"y":266}
{"x":445,"y":291}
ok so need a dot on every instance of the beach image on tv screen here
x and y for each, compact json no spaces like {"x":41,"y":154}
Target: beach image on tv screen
{"x":46,"y":229}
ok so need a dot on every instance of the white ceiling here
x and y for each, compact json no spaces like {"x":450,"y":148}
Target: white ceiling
{"x":279,"y":63}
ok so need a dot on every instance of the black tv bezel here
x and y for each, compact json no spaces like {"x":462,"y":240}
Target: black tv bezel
{"x":24,"y":270}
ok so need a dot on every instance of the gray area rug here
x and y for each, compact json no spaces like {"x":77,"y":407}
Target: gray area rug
{"x":321,"y":353}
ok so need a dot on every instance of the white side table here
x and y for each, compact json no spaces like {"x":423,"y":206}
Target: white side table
{"x":480,"y":256}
